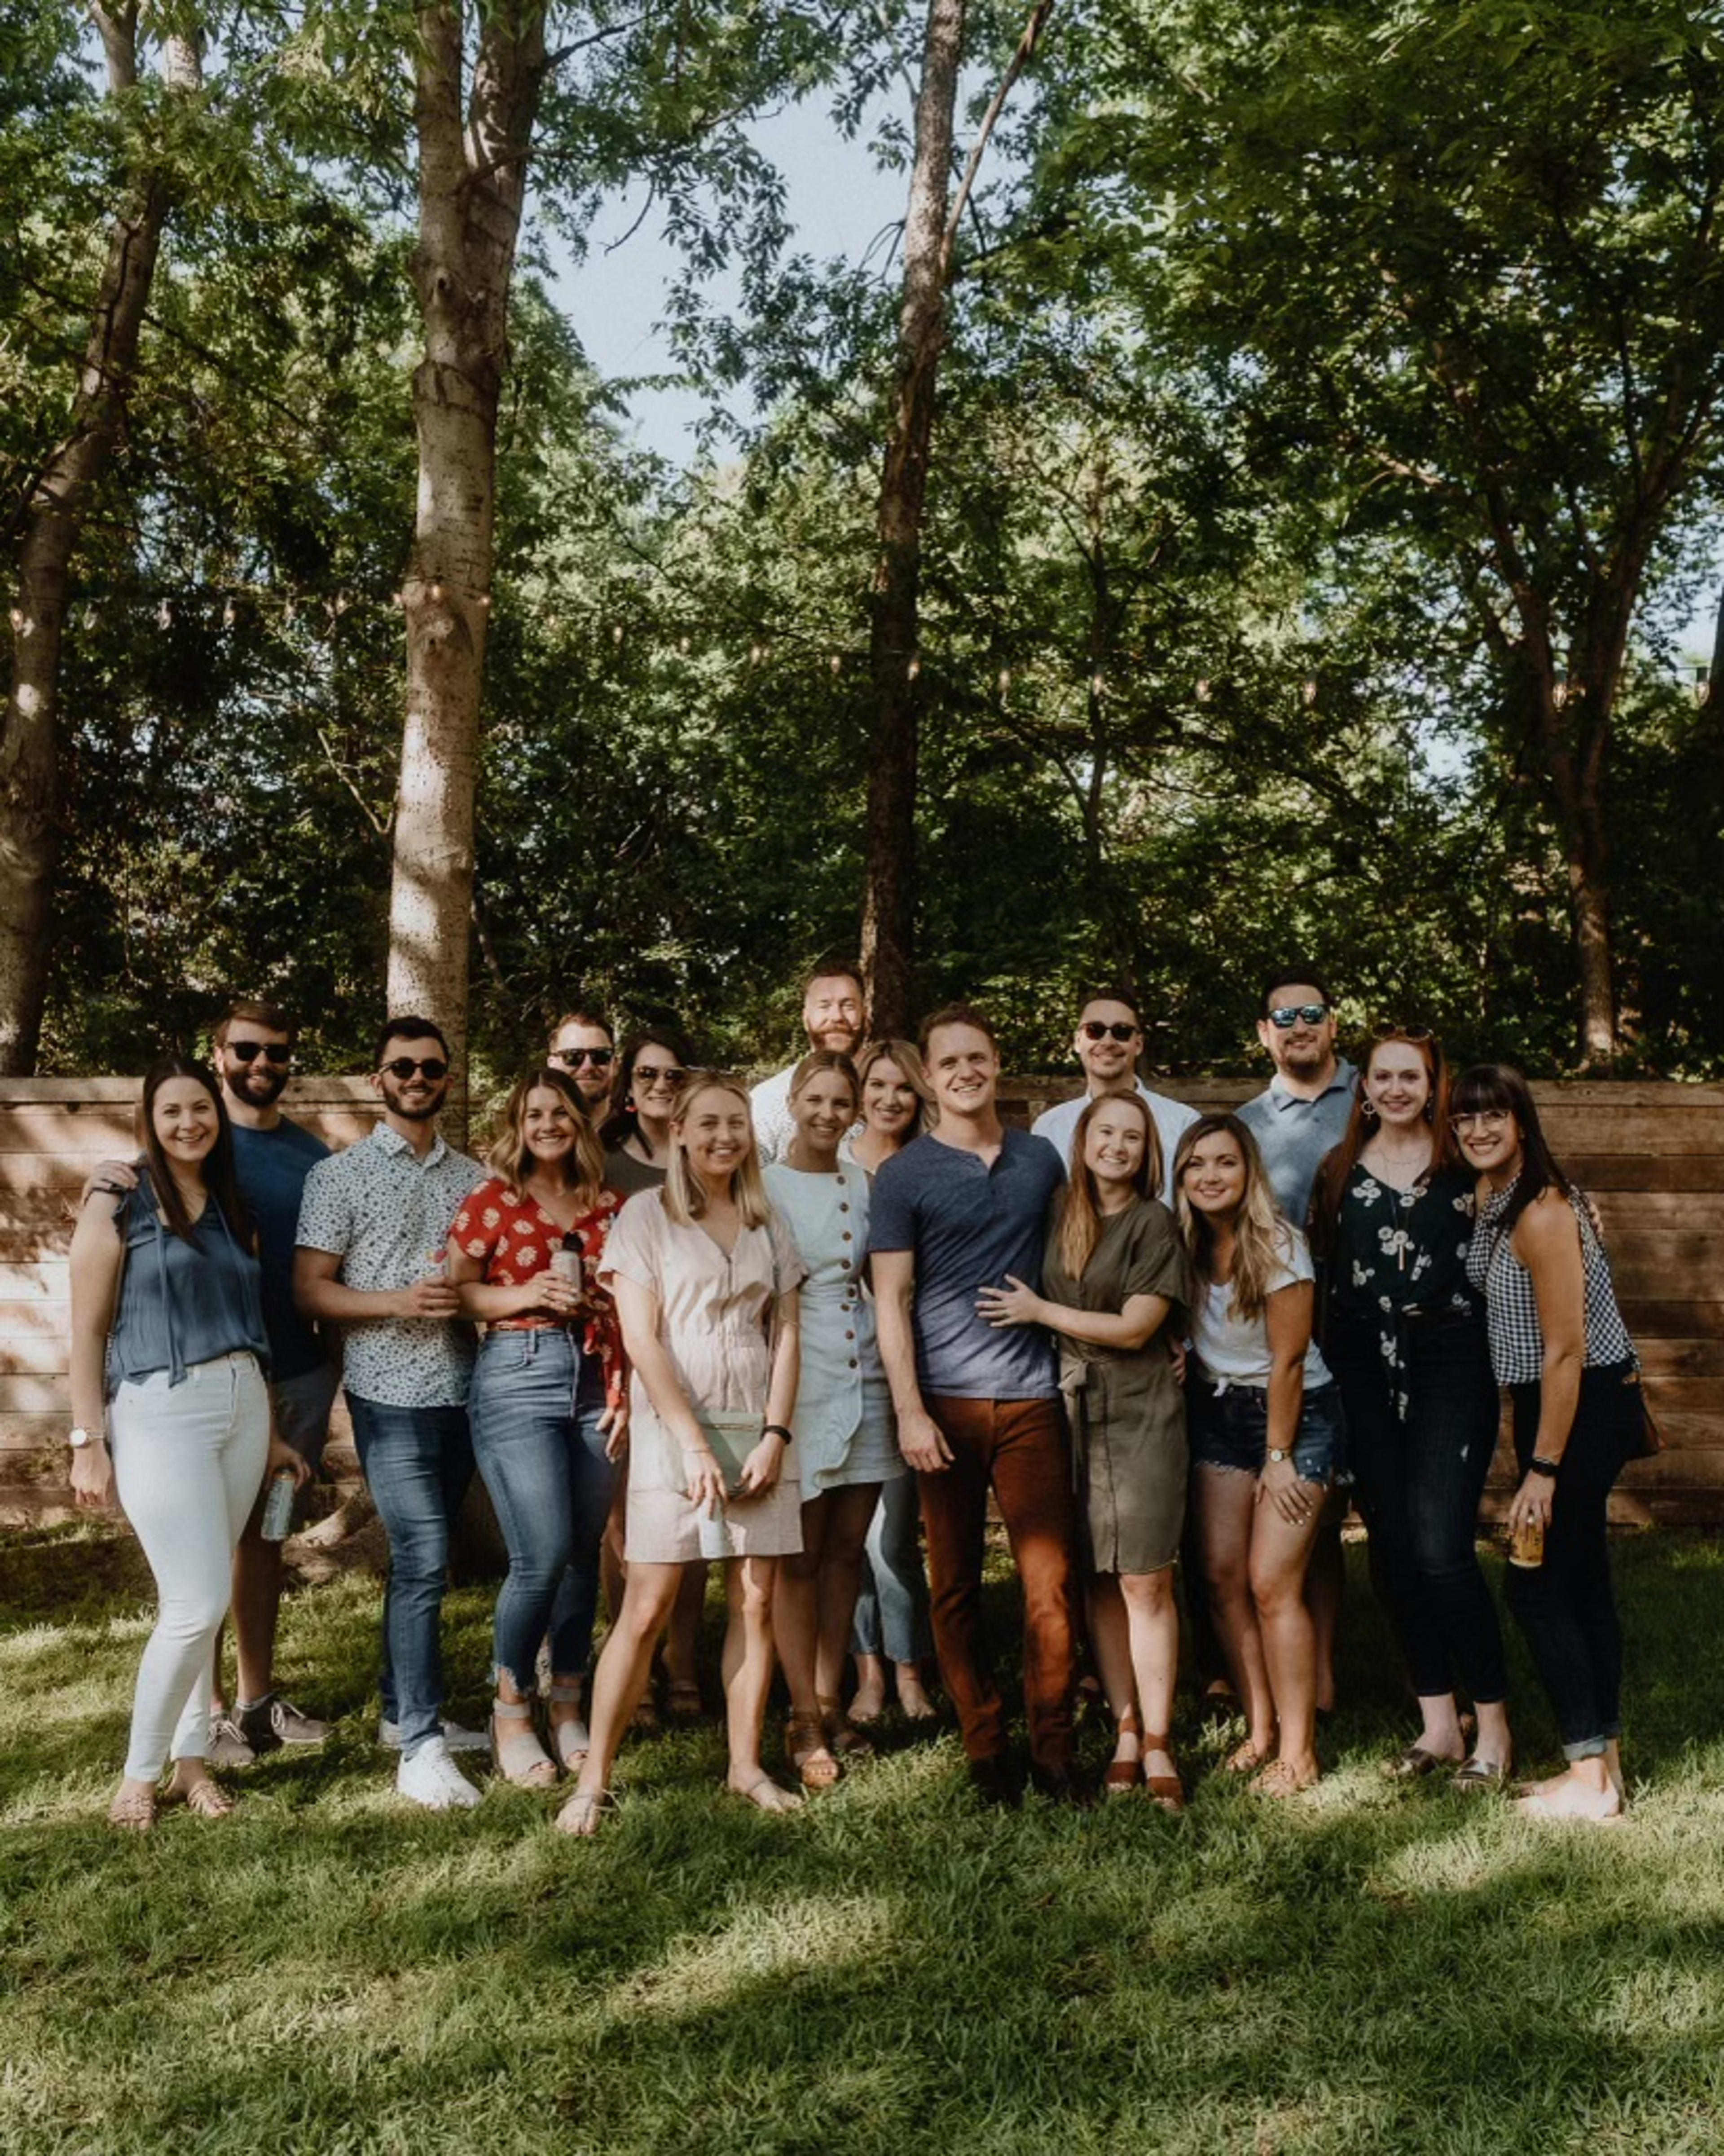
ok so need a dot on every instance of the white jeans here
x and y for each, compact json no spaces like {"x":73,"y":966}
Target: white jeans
{"x":189,"y":1463}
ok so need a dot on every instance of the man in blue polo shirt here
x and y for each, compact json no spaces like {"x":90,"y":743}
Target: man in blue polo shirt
{"x":960,"y":1210}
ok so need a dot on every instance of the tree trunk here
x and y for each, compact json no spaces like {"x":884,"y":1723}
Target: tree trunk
{"x":29,"y":744}
{"x":889,"y":900}
{"x":472,"y":183}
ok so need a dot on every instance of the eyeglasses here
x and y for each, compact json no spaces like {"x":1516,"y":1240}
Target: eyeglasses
{"x":247,"y":1051}
{"x":572,"y":1059}
{"x":1092,"y":1028}
{"x":1482,"y":1119}
{"x":1285,"y":1014}
{"x":404,"y":1067}
{"x":648,"y":1073}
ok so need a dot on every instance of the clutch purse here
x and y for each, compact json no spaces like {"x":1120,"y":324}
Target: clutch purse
{"x":732,"y":1438}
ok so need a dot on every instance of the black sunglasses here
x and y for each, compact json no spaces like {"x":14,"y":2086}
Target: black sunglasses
{"x":650,"y":1074}
{"x":1092,"y":1028}
{"x":1286,"y":1015}
{"x":404,"y":1067}
{"x":572,"y":1059}
{"x":247,"y":1051}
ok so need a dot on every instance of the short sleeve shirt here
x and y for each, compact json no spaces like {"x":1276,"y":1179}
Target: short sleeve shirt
{"x":1234,"y":1352}
{"x":514,"y":1236}
{"x":969,"y":1223}
{"x":1293,"y":1135}
{"x":272,"y":1166}
{"x":386,"y":1213}
{"x":1059,"y":1124}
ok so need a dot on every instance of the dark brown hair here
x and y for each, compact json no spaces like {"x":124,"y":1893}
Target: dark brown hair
{"x":1501,"y":1085}
{"x":253,"y":1011}
{"x":220,"y":1179}
{"x":955,"y":1014}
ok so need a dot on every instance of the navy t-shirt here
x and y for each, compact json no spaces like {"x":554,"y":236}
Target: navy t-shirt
{"x":968,"y":1225}
{"x":272,"y":1166}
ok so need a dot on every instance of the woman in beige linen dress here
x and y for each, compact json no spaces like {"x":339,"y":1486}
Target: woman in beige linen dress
{"x":705,"y":1276}
{"x":1114,"y":1270}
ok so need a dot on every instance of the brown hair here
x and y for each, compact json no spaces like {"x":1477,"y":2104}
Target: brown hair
{"x":684,"y":1199}
{"x":1079,"y":1216}
{"x":1341,"y":1159}
{"x":580,"y":1015}
{"x":254,"y":1011}
{"x":1259,"y":1231}
{"x":826,"y":1059}
{"x":220,"y":1177}
{"x":908,"y":1058}
{"x":955,"y":1014}
{"x":509,"y":1157}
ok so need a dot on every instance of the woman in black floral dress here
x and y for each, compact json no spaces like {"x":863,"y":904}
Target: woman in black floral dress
{"x":1392,"y":1216}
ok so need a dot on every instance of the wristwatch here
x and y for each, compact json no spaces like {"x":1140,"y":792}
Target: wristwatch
{"x":1277,"y":1455}
{"x":79,"y":1438}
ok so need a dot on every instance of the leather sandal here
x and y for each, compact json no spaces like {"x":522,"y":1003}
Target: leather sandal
{"x":1278,"y":1780}
{"x":133,"y":1809}
{"x":764,"y":1794}
{"x":842,"y":1738}
{"x":571,"y":1740}
{"x":1166,"y":1790}
{"x":805,"y":1746}
{"x":1122,"y":1776}
{"x":517,"y":1755}
{"x":1412,"y":1763}
{"x":1475,"y":1773}
{"x":204,"y":1798}
{"x":682,"y":1703}
{"x":582,"y":1813}
{"x":1247,"y":1758}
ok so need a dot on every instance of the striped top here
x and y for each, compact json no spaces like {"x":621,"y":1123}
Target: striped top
{"x":1517,"y":1338}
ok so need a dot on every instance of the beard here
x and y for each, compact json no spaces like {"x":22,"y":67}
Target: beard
{"x":413,"y":1111}
{"x":258,"y":1084}
{"x":838,"y":1039}
{"x":1305,"y":1061}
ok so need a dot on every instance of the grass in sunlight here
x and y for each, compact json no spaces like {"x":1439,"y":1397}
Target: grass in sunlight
{"x":893,"y":1970}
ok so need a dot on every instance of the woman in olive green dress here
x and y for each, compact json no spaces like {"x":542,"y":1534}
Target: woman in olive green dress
{"x":1113,"y":1271}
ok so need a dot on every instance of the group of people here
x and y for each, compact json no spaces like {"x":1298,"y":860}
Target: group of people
{"x":805,"y":1333}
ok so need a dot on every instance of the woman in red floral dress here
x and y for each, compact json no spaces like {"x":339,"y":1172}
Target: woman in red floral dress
{"x":548,"y":1405}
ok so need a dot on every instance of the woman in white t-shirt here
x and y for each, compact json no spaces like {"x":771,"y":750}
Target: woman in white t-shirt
{"x":1267,"y":1436}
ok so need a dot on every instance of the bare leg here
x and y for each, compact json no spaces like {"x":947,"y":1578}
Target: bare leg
{"x":869,"y":1700}
{"x":795,"y":1627}
{"x":1225,"y":1500}
{"x":613,"y":1567}
{"x":849,"y":1513}
{"x":1152,"y":1626}
{"x":748,"y":1663}
{"x":1281,"y":1552}
{"x":682,"y":1648}
{"x":1109,"y":1640}
{"x":256,"y":1606}
{"x":1325,"y":1583}
{"x":619,"y":1682}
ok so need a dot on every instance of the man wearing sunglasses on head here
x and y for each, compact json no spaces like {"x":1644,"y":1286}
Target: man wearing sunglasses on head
{"x":372,"y":1258}
{"x":273,"y":1155}
{"x":583,"y":1045}
{"x":1108,"y":1041}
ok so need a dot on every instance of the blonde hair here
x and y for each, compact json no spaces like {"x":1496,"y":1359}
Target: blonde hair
{"x":1261,"y":1236}
{"x":908,"y":1058}
{"x":1080,"y":1219}
{"x":509,"y":1157}
{"x":684,"y":1198}
{"x":826,"y":1059}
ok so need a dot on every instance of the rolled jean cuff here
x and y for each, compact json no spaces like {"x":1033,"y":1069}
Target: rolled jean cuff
{"x":1587,"y":1747}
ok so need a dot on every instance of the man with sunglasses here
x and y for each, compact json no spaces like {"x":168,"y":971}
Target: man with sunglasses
{"x":1295,"y":1120}
{"x":834,"y":1016}
{"x":1108,"y":1041}
{"x":583,"y":1045}
{"x":373,"y":1231}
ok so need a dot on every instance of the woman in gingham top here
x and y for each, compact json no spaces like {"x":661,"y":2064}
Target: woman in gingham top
{"x":1558,"y":1342}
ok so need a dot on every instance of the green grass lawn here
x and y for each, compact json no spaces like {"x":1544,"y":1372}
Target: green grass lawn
{"x":894,"y":1969}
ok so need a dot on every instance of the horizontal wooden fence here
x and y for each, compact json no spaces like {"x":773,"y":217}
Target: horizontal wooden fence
{"x":1652,"y":1155}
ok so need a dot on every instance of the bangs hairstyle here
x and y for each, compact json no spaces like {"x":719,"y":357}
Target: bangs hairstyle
{"x":1260,"y":1234}
{"x":908,"y":1058}
{"x":220,"y":1177}
{"x":827,"y":1059}
{"x":1080,"y":1213}
{"x":684,"y":1198}
{"x":1501,"y":1085}
{"x":510,"y":1159}
{"x":1341,"y":1160}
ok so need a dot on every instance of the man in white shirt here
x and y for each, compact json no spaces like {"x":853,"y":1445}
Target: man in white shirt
{"x":832,"y":1008}
{"x":1108,"y":1041}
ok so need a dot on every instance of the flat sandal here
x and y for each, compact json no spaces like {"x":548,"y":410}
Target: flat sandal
{"x":1166,"y":1790}
{"x":133,"y":1810}
{"x":517,"y":1755}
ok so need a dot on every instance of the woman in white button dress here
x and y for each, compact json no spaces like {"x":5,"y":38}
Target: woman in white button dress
{"x":705,"y":1279}
{"x":845,"y":1443}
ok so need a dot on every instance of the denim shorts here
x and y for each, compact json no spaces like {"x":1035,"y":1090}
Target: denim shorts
{"x":1229,"y":1428}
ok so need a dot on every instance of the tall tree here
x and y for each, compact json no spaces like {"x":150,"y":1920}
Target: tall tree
{"x":1474,"y":254}
{"x":66,"y":482}
{"x":930,"y":241}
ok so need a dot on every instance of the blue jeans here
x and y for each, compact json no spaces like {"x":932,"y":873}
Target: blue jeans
{"x":417,"y":1463}
{"x":892,"y":1607}
{"x":536,"y":1404}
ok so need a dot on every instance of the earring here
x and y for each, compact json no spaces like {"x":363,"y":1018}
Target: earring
{"x":1429,"y":1112}
{"x":1368,"y":1108}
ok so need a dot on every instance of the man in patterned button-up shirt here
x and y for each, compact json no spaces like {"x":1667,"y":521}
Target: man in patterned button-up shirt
{"x":371,"y":1259}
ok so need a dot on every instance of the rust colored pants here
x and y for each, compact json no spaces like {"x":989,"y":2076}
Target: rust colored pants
{"x":1019,"y":1448}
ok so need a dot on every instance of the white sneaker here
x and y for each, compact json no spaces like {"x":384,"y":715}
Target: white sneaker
{"x":432,"y":1779}
{"x":456,"y":1734}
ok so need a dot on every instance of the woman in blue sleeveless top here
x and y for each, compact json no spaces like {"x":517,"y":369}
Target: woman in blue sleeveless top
{"x":171,"y":1407}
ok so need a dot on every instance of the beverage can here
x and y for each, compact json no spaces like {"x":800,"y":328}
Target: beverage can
{"x":1527,"y":1545}
{"x":565,"y":1262}
{"x":278,"y":1506}
{"x":436,"y":1265}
